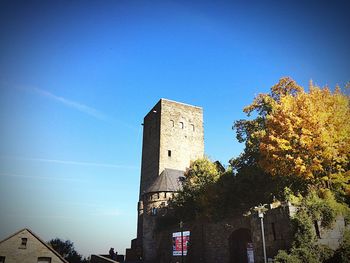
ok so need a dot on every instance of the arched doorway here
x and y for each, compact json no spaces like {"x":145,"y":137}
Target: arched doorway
{"x":238,"y":241}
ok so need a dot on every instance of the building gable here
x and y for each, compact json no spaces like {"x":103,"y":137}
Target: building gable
{"x":26,"y":247}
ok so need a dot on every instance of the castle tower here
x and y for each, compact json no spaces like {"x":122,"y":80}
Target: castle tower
{"x":172,"y":137}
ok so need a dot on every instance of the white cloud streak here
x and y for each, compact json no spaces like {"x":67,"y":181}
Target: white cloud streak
{"x":78,"y":106}
{"x":70,"y":162}
{"x":73,"y":104}
{"x":41,"y":177}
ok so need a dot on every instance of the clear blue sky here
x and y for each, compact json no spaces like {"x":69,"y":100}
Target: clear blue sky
{"x":77,"y":78}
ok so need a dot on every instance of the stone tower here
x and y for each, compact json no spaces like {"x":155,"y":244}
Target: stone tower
{"x":172,"y":137}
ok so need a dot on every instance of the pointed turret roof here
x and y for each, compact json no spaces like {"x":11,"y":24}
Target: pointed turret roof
{"x":168,"y":181}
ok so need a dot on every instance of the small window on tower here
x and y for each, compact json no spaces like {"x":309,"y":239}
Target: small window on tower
{"x":172,"y":123}
{"x":169,"y":153}
{"x":181,"y":124}
{"x":192,"y":127}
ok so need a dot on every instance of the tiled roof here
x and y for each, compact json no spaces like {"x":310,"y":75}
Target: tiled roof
{"x":168,"y":181}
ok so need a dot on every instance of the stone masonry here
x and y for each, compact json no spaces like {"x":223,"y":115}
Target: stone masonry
{"x":211,"y":242}
{"x":172,"y":137}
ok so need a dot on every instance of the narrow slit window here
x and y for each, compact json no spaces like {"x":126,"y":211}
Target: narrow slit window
{"x":169,"y":153}
{"x":317,"y":229}
{"x":181,"y":125}
{"x":192,"y":127}
{"x":273,"y":231}
{"x":172,"y":123}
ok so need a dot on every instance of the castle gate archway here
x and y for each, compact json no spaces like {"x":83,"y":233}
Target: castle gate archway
{"x":238,"y":245}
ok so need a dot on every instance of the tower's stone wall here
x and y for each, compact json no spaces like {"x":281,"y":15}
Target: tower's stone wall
{"x":172,"y":137}
{"x":181,"y":135}
{"x":150,"y":148}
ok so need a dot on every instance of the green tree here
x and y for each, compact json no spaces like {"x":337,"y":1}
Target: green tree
{"x":210,"y":194}
{"x":66,"y":249}
{"x":198,"y":193}
{"x":201,"y":173}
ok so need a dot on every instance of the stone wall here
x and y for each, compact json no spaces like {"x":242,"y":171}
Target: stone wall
{"x":332,"y":237}
{"x":101,"y":259}
{"x":210,"y":242}
{"x":150,"y":161}
{"x":277,"y":229}
{"x":181,"y":135}
{"x":172,"y":137}
{"x":155,"y":204}
{"x":150,"y":148}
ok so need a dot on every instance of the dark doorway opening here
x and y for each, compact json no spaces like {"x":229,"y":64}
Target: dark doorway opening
{"x":238,"y":241}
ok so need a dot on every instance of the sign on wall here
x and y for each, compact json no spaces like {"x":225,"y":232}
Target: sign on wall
{"x":177,"y":245}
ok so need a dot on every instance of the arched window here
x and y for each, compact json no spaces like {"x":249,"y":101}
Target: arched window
{"x":192,"y":126}
{"x":181,"y":124}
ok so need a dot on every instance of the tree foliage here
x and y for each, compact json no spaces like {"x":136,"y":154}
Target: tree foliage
{"x":211,"y":194}
{"x":66,"y":249}
{"x":318,"y":206}
{"x":201,"y":173}
{"x":298,"y":134}
{"x":198,"y":192}
{"x":307,"y":135}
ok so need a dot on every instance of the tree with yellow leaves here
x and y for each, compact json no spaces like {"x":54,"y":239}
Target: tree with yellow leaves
{"x":302,"y":134}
